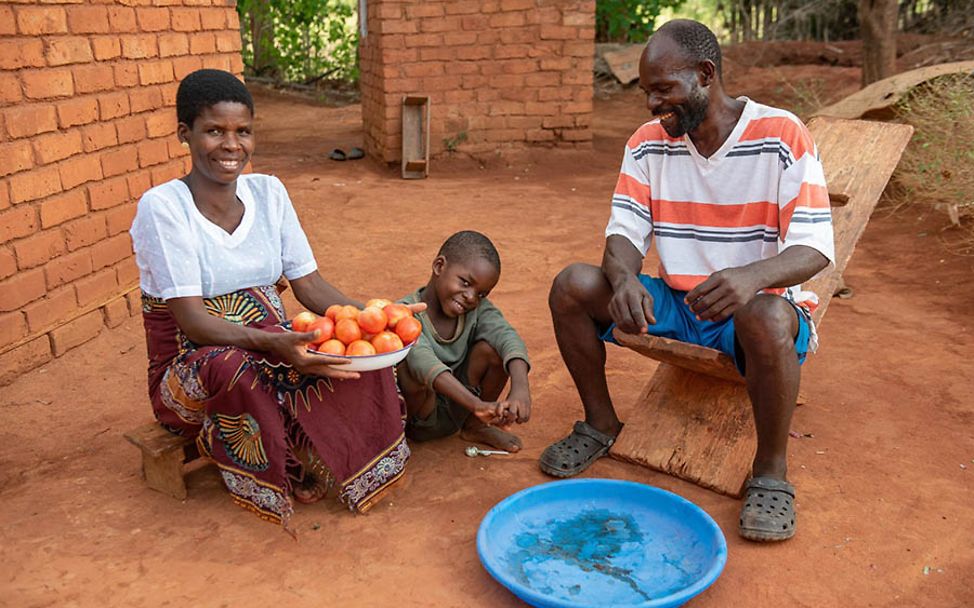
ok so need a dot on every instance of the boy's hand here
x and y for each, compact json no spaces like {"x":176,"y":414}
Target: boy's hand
{"x":518,"y":405}
{"x":491,"y":412}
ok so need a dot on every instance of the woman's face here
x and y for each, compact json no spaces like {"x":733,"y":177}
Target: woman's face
{"x":221,"y":141}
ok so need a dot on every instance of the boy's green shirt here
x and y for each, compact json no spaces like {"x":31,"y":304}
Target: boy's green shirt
{"x":433,"y":354}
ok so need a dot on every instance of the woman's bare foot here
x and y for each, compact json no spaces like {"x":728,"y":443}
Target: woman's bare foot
{"x":310,"y":490}
{"x":478,"y":432}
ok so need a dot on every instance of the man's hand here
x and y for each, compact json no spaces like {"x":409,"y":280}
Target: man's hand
{"x":631,"y":307}
{"x":723,"y":293}
{"x":292,"y":348}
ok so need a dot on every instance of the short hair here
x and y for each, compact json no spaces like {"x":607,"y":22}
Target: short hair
{"x":206,"y":88}
{"x":696,"y":40}
{"x":467,"y":244}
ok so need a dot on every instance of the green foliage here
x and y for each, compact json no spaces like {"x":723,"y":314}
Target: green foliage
{"x":628,"y":20}
{"x":300,"y":40}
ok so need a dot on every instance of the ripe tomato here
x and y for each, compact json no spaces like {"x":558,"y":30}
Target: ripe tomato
{"x":395,"y":312}
{"x":327,"y":327}
{"x":347,"y":312}
{"x":332,"y":311}
{"x":359,"y":348}
{"x":409,"y":329}
{"x":379,"y":303}
{"x":302,"y":320}
{"x":348,"y":331}
{"x":331,"y":347}
{"x":386,"y":342}
{"x":372,"y":320}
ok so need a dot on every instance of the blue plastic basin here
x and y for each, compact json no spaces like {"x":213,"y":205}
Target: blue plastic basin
{"x":601,"y":542}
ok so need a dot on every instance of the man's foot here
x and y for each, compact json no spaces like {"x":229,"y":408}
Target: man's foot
{"x":575,"y":453}
{"x":478,"y":432}
{"x":768,"y":510}
{"x":310,"y":490}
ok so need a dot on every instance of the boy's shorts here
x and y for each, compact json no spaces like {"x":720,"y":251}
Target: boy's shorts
{"x":675,"y":320}
{"x":447,"y":417}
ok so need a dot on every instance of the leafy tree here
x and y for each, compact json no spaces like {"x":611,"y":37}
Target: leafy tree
{"x":628,"y":20}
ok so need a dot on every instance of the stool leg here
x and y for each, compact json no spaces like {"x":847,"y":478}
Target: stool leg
{"x":164,"y":473}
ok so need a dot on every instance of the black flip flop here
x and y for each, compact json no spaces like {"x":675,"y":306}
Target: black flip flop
{"x":337,"y":154}
{"x":575,"y":453}
{"x":768,"y":510}
{"x":355,"y":154}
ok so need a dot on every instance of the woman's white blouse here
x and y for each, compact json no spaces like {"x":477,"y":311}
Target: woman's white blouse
{"x":180,"y":253}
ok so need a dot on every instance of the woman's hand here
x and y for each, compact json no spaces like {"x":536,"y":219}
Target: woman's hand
{"x":417,"y":307}
{"x":292,"y":348}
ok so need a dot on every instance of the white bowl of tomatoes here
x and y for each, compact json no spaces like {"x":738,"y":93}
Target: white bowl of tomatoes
{"x":375,"y":337}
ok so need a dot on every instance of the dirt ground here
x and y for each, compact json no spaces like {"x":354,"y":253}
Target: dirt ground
{"x":885,"y":484}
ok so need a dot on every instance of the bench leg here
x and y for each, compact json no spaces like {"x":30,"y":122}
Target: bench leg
{"x":693,"y":426}
{"x":164,"y":473}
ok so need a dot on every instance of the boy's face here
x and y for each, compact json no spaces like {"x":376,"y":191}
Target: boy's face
{"x":461,"y":285}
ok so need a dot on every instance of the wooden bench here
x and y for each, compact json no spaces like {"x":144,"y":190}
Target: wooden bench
{"x":166,"y":458}
{"x":693,"y":418}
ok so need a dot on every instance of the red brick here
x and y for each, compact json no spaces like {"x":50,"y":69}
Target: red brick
{"x":414,"y":11}
{"x":475,"y":23}
{"x":97,"y":287}
{"x":464,"y":7}
{"x":110,"y":251}
{"x":139,"y":47}
{"x":557,"y":63}
{"x":503,"y":20}
{"x":67,"y":268}
{"x":169,"y":93}
{"x":517,"y":5}
{"x":213,"y":18}
{"x":202,"y":44}
{"x":108,"y":193}
{"x":120,"y":218}
{"x":8,"y":262}
{"x":20,"y":289}
{"x":113,"y":105}
{"x":153,"y":19}
{"x":53,"y":147}
{"x":79,"y":169}
{"x":13,"y":327}
{"x":10,"y":92}
{"x":98,"y":136}
{"x":8,"y":24}
{"x":106,"y":47}
{"x":76,"y":332}
{"x":59,"y":209}
{"x":182,"y":66}
{"x":173,"y":44}
{"x":16,"y":362}
{"x":57,"y":306}
{"x":156,"y":72}
{"x":84,"y":231}
{"x":544,"y":79}
{"x":43,"y":84}
{"x":153,"y":152}
{"x":32,"y":21}
{"x":122,"y":19}
{"x":88,"y":20}
{"x":443,"y":24}
{"x":65,"y":50}
{"x":186,"y":20}
{"x":228,"y":42}
{"x":578,"y":49}
{"x":127,"y":272}
{"x":118,"y":161}
{"x":92,"y":78}
{"x":145,"y":98}
{"x":130,"y":129}
{"x":126,"y":74}
{"x":473,"y":53}
{"x":15,"y":156}
{"x":16,"y":53}
{"x":116,"y":312}
{"x":520,"y":36}
{"x":512,"y":51}
{"x":418,"y":70}
{"x":134,"y":301}
{"x":233,"y":20}
{"x":553,"y":93}
{"x":41,"y":182}
{"x":79,"y":111}
{"x":167,"y":172}
{"x":576,"y":135}
{"x":39,"y":249}
{"x":161,"y":123}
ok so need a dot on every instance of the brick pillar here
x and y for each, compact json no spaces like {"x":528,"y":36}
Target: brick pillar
{"x":498,"y":72}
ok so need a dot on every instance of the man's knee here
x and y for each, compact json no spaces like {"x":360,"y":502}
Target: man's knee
{"x":574,"y":284}
{"x":767,"y":323}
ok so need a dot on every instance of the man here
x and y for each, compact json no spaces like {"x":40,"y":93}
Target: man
{"x":735,"y":195}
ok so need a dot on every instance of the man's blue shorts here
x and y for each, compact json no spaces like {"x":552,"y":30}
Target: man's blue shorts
{"x":675,"y":320}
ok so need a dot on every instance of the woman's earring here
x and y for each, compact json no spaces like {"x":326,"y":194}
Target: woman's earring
{"x":184,"y":144}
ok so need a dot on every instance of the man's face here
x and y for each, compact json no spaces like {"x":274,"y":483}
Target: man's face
{"x":674,"y":93}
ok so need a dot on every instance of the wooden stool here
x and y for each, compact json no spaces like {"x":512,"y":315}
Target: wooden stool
{"x":693,"y":419}
{"x":164,"y":456}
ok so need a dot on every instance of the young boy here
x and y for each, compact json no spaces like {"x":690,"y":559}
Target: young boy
{"x":454,"y":375}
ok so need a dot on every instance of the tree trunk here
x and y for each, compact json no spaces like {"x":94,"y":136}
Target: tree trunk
{"x":877,"y":24}
{"x":262,"y":37}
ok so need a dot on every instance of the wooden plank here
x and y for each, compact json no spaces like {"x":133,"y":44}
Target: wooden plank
{"x":624,"y":64}
{"x":688,"y":356}
{"x":693,"y":426}
{"x":165,"y":473}
{"x":415,"y":137}
{"x":155,"y":441}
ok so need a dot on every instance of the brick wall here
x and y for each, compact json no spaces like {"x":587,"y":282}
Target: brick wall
{"x":500,"y":72}
{"x":87,"y":123}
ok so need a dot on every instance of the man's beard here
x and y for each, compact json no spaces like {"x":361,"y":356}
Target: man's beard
{"x":691,"y":114}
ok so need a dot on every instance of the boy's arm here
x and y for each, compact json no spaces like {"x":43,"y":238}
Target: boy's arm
{"x":494,"y":329}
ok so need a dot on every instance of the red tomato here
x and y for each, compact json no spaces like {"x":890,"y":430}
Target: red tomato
{"x":332,"y":347}
{"x":386,"y":342}
{"x":409,"y":329}
{"x":359,"y":348}
{"x":347,"y":312}
{"x":302,"y":321}
{"x":332,"y":311}
{"x":395,"y":312}
{"x":379,"y":303}
{"x":348,"y":331}
{"x":327,"y":327}
{"x":372,"y":320}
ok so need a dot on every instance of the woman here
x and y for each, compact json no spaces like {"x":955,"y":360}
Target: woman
{"x":210,"y":248}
